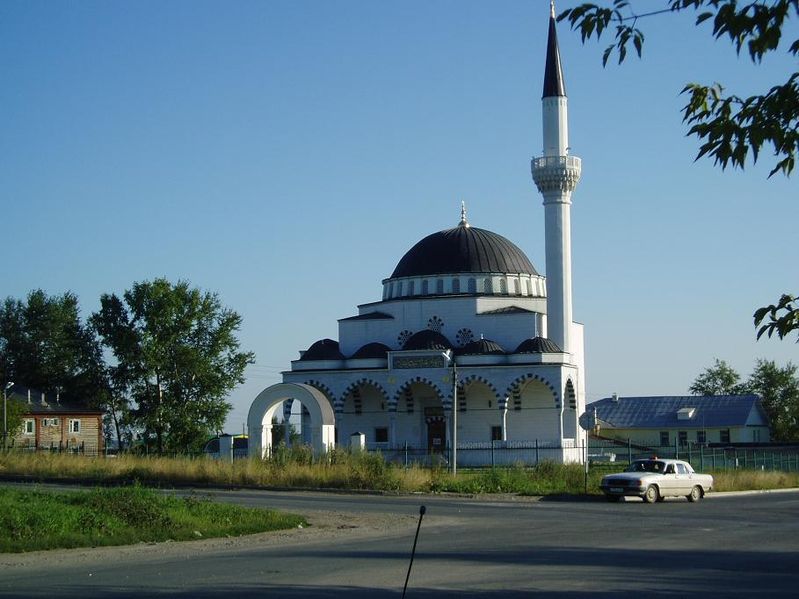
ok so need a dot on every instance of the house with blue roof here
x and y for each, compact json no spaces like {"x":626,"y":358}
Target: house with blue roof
{"x":691,"y":419}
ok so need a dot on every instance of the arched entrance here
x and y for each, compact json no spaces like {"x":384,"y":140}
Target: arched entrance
{"x":263,"y":408}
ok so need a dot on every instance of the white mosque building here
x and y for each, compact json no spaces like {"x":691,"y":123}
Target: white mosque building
{"x":469,"y":343}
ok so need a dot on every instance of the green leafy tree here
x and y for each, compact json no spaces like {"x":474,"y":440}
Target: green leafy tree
{"x":731,"y":129}
{"x":781,"y":318}
{"x":279,"y":432}
{"x":779,"y":389}
{"x":15,"y":412}
{"x":719,"y":379}
{"x":177,"y":358}
{"x":45,"y":345}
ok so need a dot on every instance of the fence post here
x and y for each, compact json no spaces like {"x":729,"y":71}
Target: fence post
{"x":629,"y":451}
{"x":492,"y":453}
{"x":714,"y":458}
{"x":406,"y":454}
{"x":585,"y":459}
{"x":536,"y":452}
{"x":677,"y":447}
{"x":701,"y":458}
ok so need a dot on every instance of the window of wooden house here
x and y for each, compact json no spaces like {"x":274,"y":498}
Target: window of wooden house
{"x":74,"y":426}
{"x":381,"y":434}
{"x":29,"y":426}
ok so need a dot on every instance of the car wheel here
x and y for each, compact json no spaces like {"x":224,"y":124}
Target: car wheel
{"x":661,"y":498}
{"x":695,"y":494}
{"x":651,"y":495}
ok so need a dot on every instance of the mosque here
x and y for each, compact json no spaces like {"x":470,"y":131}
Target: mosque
{"x":469,"y":346}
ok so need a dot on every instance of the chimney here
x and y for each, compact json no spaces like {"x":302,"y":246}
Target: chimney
{"x":44,"y":401}
{"x":615,"y":398}
{"x":29,"y":396}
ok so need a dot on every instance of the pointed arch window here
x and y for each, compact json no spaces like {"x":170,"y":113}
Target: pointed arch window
{"x":488,"y":287}
{"x":425,"y":287}
{"x":440,"y":286}
{"x":503,"y":287}
{"x":472,"y":286}
{"x":456,"y":285}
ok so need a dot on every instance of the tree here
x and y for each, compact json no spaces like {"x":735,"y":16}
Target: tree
{"x":177,"y":358}
{"x":779,"y":390}
{"x":719,"y":379}
{"x":777,"y":387}
{"x":15,"y":412}
{"x":783,"y":318}
{"x":45,"y":345}
{"x":730,"y":128}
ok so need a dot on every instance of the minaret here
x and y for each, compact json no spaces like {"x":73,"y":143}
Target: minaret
{"x":556,"y":175}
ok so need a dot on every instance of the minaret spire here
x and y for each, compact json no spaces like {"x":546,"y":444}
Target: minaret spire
{"x":556,"y":175}
{"x":463,"y":222}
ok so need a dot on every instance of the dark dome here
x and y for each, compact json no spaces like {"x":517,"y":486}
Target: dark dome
{"x":324,"y":349}
{"x":463,"y":249}
{"x":427,"y":339}
{"x":537,"y":345}
{"x":481,"y":346}
{"x":371,"y":350}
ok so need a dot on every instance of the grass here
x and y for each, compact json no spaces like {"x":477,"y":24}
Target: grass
{"x":35,"y":520}
{"x":296,"y":468}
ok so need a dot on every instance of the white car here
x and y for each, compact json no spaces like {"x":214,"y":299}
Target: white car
{"x":655,"y":479}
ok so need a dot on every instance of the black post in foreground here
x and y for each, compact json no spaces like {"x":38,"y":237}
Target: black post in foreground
{"x":413,"y":551}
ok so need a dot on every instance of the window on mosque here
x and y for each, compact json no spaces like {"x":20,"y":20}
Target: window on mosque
{"x":472,"y":286}
{"x":496,"y":433}
{"x":399,"y":288}
{"x":487,"y":286}
{"x":425,"y":287}
{"x":381,"y":434}
{"x":440,"y":286}
{"x":515,"y":286}
{"x":456,"y":285}
{"x":411,"y":287}
{"x":527,"y":287}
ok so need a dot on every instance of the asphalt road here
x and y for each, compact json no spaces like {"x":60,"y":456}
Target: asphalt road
{"x":733,"y":546}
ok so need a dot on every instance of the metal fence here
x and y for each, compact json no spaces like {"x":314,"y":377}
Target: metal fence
{"x":601,"y":452}
{"x":701,"y":456}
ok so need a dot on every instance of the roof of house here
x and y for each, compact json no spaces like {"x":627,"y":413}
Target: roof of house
{"x":38,"y":403}
{"x":687,"y":411}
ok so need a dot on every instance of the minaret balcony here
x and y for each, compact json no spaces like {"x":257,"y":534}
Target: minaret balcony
{"x":556,"y":173}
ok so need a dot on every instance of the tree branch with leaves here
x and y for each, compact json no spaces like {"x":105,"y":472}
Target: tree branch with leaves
{"x":730,"y":128}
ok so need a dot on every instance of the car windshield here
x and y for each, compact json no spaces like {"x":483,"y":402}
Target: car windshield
{"x":647,"y":466}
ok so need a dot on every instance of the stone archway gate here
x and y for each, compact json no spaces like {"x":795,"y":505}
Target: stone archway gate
{"x":264,"y":407}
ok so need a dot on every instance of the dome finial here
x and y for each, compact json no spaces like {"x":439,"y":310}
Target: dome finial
{"x":464,"y":222}
{"x":552,"y":8}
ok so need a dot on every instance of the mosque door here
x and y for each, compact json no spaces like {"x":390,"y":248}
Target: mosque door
{"x":436,"y":433}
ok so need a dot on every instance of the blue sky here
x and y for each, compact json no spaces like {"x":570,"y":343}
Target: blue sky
{"x":286,"y":154}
